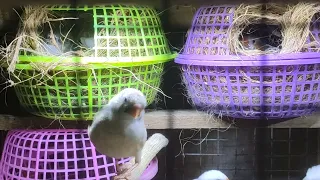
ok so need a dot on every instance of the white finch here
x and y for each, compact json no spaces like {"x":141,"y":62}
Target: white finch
{"x":118,"y":129}
{"x":313,"y":173}
{"x":212,"y":175}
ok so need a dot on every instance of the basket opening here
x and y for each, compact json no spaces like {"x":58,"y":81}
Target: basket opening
{"x":57,"y":33}
{"x":98,"y":33}
{"x":263,"y":37}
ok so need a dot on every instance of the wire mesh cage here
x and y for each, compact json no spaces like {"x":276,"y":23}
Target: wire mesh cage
{"x":58,"y":154}
{"x":243,"y":153}
{"x":278,"y":85}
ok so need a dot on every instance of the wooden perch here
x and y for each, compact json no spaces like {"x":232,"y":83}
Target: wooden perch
{"x":163,"y":119}
{"x":151,"y":148}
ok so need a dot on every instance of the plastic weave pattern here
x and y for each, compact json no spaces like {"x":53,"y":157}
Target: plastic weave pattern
{"x":58,"y":154}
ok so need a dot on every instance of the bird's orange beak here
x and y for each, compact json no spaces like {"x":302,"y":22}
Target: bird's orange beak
{"x":135,"y":111}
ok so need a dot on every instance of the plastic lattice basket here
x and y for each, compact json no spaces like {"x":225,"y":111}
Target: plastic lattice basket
{"x":250,"y":87}
{"x":126,"y":48}
{"x":78,"y":93}
{"x":58,"y":154}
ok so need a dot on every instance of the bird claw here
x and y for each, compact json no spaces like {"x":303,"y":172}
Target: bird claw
{"x":123,"y":167}
{"x":120,"y":178}
{"x":123,"y":174}
{"x":124,"y":171}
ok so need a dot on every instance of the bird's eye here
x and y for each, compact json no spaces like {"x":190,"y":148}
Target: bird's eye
{"x":125,"y":100}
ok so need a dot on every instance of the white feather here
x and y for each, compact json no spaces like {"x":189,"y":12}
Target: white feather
{"x":313,"y":173}
{"x":117,"y":134}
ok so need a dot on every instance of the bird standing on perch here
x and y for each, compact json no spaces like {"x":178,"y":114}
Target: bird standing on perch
{"x":118,"y":129}
{"x":212,"y":175}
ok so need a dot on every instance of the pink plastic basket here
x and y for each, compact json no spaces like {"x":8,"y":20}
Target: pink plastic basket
{"x":57,"y":155}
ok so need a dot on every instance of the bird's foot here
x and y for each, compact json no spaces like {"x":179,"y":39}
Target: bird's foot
{"x":125,"y":166}
{"x":124,"y":175}
{"x":124,"y":171}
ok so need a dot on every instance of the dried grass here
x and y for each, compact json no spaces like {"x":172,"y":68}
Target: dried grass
{"x":30,"y":41}
{"x":185,"y":137}
{"x":293,"y":20}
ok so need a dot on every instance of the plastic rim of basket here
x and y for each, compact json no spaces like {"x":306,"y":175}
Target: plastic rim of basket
{"x":88,"y":62}
{"x":241,"y":60}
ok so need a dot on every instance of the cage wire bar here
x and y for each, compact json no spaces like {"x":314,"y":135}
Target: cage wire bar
{"x":288,"y":153}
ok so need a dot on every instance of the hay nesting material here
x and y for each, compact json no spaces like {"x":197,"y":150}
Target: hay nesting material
{"x":293,"y":21}
{"x":29,"y":40}
{"x":296,"y":26}
{"x":45,"y":33}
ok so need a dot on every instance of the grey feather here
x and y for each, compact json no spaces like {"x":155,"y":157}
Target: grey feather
{"x":114,"y":132}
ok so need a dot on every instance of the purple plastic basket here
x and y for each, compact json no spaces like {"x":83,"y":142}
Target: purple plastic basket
{"x":249,"y":87}
{"x":57,"y":155}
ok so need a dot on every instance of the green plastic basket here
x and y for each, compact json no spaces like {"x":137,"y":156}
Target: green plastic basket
{"x":72,"y":93}
{"x":126,"y":33}
{"x":126,"y":38}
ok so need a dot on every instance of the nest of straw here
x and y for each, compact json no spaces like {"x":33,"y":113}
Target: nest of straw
{"x":69,"y":89}
{"x":293,"y":20}
{"x":63,"y":30}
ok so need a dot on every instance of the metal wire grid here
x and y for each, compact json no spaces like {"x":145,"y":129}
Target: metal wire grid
{"x":287,"y":154}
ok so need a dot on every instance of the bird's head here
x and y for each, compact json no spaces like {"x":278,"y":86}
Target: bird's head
{"x":132,"y":102}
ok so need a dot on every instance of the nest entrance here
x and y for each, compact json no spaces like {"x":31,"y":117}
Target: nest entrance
{"x":263,"y":37}
{"x":287,"y":28}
